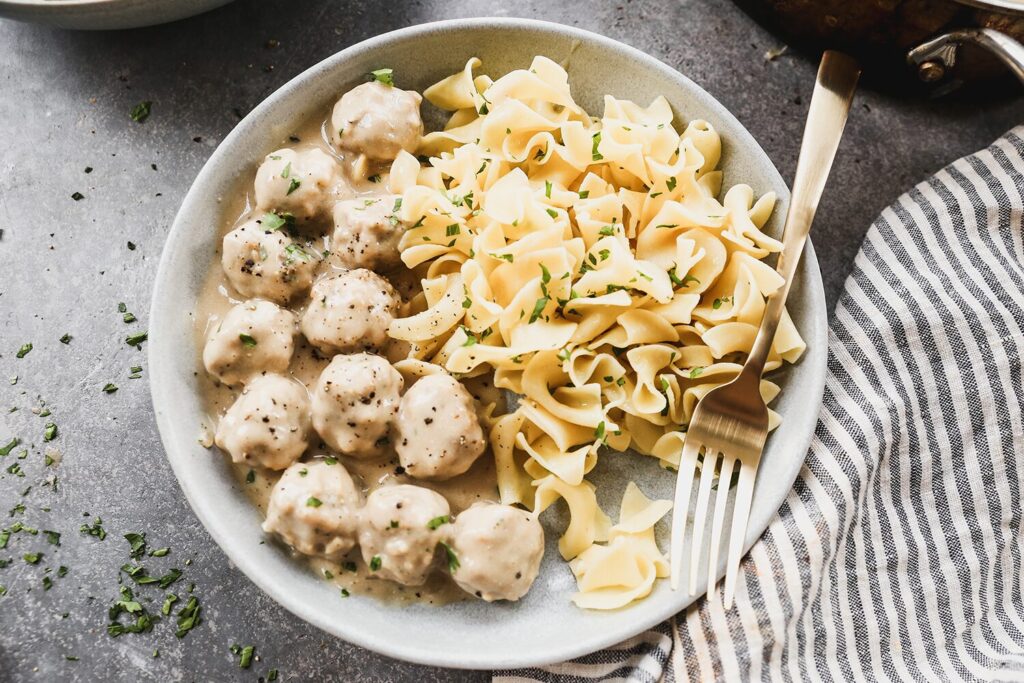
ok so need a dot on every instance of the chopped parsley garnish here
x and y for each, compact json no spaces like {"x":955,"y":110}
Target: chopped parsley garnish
{"x":24,"y":350}
{"x":313,"y":502}
{"x":296,"y":251}
{"x":375,"y":563}
{"x":330,"y":461}
{"x":188,"y":617}
{"x":547,"y":189}
{"x":5,"y":450}
{"x":138,"y":544}
{"x":597,"y":156}
{"x":159,"y":552}
{"x":95,"y":530}
{"x":32,"y":558}
{"x":52,"y":537}
{"x":538,"y":308}
{"x":453,"y":559}
{"x":375,"y":178}
{"x":385,"y":76}
{"x":438,"y":521}
{"x":583,"y":194}
{"x":696,"y":372}
{"x":169,"y":601}
{"x":552,"y":213}
{"x":717,"y":303}
{"x":140,"y":112}
{"x":599,"y":432}
{"x":245,"y":655}
{"x":247,"y":340}
{"x":78,"y":196}
{"x":136,"y":339}
{"x":505,"y":257}
{"x":452,"y":230}
{"x":109,"y":388}
{"x":344,"y":594}
{"x":607,"y":231}
{"x":287,"y":170}
{"x":49,"y":432}
{"x":670,"y":183}
{"x":293,"y":185}
{"x":66,"y":339}
{"x":276,"y":221}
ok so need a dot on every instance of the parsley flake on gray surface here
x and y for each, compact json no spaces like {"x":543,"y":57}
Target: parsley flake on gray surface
{"x":49,"y":432}
{"x":66,"y":339}
{"x":109,"y":388}
{"x":24,"y":350}
{"x":136,"y":339}
{"x":140,"y":112}
{"x":78,"y":196}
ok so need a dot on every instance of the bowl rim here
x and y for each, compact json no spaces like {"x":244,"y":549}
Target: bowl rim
{"x":160,"y":353}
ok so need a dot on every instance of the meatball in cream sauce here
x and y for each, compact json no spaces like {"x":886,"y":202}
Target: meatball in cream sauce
{"x":297,"y":183}
{"x":350,"y":312}
{"x":262,"y":260}
{"x":439,"y":432}
{"x":377,"y":121}
{"x":255,"y":337}
{"x":268,"y":425}
{"x":314,"y":508}
{"x":355,"y":402}
{"x":367,"y":233}
{"x":400,"y":531}
{"x":499,"y":550}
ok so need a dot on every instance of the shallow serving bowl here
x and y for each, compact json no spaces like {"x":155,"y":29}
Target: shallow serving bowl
{"x":104,"y":14}
{"x":544,"y":627}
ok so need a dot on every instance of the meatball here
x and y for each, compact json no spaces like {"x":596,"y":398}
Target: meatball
{"x":377,"y":120}
{"x":366,"y":233}
{"x":268,"y":424}
{"x":498,"y":549}
{"x":267,"y":263}
{"x":350,"y":312}
{"x":355,"y":402}
{"x":314,"y":508}
{"x":254,"y":337}
{"x":439,"y":432}
{"x":296,"y":182}
{"x":401,"y":527}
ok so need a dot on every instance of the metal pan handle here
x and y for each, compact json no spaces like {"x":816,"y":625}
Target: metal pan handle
{"x":934,"y":59}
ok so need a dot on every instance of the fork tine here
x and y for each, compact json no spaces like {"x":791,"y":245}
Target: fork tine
{"x":744,"y":492}
{"x":721,"y":500}
{"x":707,"y":476}
{"x":681,"y":507}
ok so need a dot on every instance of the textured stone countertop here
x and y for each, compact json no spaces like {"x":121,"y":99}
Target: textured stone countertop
{"x":65,"y":265}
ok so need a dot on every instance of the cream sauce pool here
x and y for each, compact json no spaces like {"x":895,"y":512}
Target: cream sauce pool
{"x":217,"y":297}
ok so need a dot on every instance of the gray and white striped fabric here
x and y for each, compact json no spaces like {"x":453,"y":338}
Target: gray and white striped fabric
{"x":898,"y":554}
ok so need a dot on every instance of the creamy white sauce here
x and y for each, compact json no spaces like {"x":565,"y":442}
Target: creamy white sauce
{"x":217,"y":298}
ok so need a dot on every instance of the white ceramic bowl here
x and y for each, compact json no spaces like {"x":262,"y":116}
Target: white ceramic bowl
{"x":544,"y":627}
{"x":104,"y":14}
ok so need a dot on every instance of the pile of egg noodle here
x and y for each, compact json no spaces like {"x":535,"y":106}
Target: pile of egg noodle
{"x":589,"y":265}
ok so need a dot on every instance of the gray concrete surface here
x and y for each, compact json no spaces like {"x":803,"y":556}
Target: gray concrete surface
{"x":65,"y":265}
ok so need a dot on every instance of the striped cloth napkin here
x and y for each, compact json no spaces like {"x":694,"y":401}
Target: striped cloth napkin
{"x":898,"y":554}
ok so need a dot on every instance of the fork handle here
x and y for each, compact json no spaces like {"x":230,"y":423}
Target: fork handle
{"x":830,"y":104}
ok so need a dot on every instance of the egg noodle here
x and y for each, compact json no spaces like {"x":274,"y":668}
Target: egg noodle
{"x":589,"y":265}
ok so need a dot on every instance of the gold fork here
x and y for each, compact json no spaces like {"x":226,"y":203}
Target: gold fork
{"x":731,"y":422}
